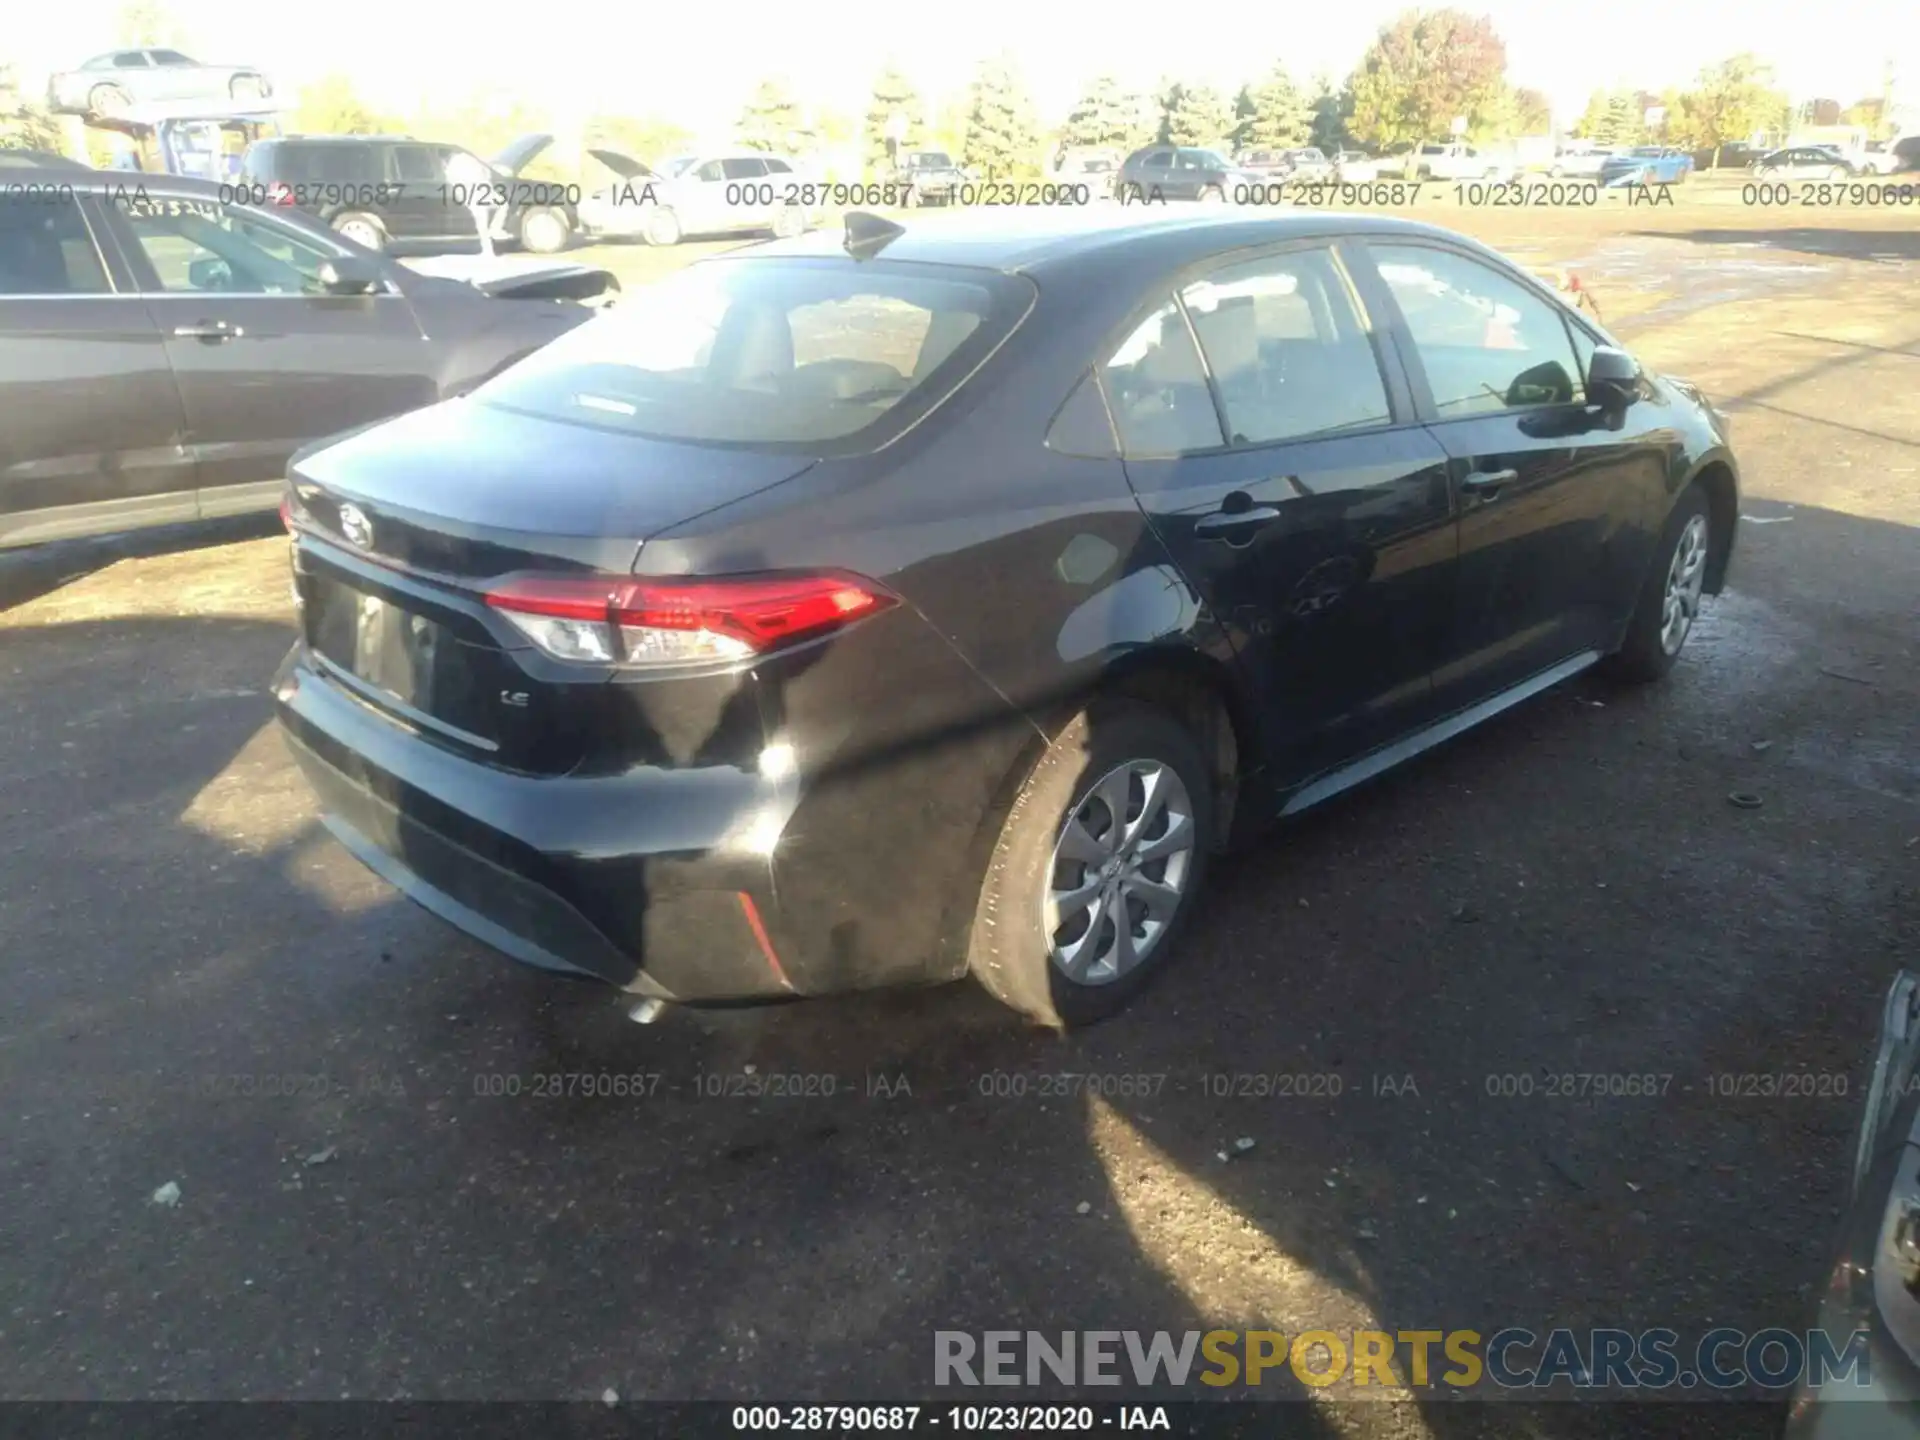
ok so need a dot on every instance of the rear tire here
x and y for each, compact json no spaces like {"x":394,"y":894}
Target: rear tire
{"x":361,"y":228}
{"x":1670,"y":597}
{"x":544,"y":230}
{"x":1118,"y":749}
{"x":1213,"y":195}
{"x":107,"y":100}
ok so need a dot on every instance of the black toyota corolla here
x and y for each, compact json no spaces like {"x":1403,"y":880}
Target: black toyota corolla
{"x":883,"y":606}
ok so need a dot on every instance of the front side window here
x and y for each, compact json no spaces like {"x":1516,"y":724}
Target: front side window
{"x":828,"y":357}
{"x":1486,"y":342}
{"x":712,"y":170}
{"x":130,"y":60}
{"x":416,"y":164}
{"x":1157,"y":389}
{"x":743,"y":168}
{"x":169,"y":57}
{"x":199,"y":247}
{"x":1287,"y":348}
{"x":1158,"y":160}
{"x":46,"y":249}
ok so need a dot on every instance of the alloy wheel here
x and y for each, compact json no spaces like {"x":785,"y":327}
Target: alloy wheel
{"x":1119,"y":872}
{"x":1686,"y":577}
{"x":362,"y":232}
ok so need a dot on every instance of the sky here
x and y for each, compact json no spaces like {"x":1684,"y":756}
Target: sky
{"x":696,"y":64}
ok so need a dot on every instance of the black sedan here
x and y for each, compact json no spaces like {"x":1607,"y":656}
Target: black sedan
{"x":933,"y":601}
{"x":164,"y":351}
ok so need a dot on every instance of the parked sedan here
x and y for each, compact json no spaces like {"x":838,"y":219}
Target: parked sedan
{"x":1356,"y":167}
{"x":1579,"y":162}
{"x":163,"y":353}
{"x":121,"y":79}
{"x":696,"y":195}
{"x":1647,"y":165}
{"x":1803,"y":162}
{"x":888,"y":606}
{"x":1181,"y":172}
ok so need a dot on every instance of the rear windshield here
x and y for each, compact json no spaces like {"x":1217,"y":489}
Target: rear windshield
{"x":825,"y":356}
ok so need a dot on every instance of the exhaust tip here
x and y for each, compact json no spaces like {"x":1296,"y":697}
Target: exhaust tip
{"x":645,"y":1012}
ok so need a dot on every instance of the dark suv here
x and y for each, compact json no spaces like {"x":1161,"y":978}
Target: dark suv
{"x":391,"y":192}
{"x":1181,"y":172}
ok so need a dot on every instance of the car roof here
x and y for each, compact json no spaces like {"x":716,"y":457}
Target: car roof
{"x":1036,"y":240}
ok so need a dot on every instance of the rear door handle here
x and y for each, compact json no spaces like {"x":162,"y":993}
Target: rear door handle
{"x":1488,"y":482}
{"x":1235,"y":524}
{"x":208,"y":330}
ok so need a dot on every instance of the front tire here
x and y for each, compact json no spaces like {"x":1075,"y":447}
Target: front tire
{"x":663,"y":227}
{"x":1669,"y":602}
{"x":108,"y":100}
{"x":1096,"y":868}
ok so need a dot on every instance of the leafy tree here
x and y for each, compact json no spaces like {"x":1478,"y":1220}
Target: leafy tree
{"x":893,"y":94}
{"x":1003,"y":139}
{"x":141,"y":23}
{"x":1532,"y":112}
{"x":645,"y":137}
{"x":1423,"y":70}
{"x":1871,"y":115}
{"x":331,"y":106}
{"x":1278,"y":115}
{"x":1732,"y":100}
{"x":1199,"y":116}
{"x":1103,"y":116}
{"x":1331,"y":110}
{"x":1594,"y":118}
{"x":772,"y":120}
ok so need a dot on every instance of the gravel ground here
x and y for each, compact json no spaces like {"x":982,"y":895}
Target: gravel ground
{"x":1566,"y":891}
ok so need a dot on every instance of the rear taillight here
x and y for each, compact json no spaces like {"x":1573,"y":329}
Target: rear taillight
{"x":620,"y":620}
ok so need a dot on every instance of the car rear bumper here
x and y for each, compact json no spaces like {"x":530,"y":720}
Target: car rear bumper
{"x":629,"y":878}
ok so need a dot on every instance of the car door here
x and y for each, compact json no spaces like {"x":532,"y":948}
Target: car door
{"x":1191,"y":175}
{"x":1554,"y":496}
{"x":174,"y":77}
{"x":701,"y":198}
{"x":1273,"y":444}
{"x":92,"y":436}
{"x":265,"y":359}
{"x":420,"y":203}
{"x":1153,"y":176}
{"x":744,"y":186}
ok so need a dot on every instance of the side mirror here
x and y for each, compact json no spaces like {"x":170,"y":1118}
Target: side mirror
{"x":349,"y":275}
{"x":209,"y":273}
{"x":1613,"y":379}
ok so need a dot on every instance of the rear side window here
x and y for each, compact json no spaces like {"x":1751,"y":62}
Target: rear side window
{"x":823,"y":356}
{"x":297,"y":164}
{"x":46,"y":249}
{"x":1287,"y":348}
{"x":1158,"y":390}
{"x":416,"y":163}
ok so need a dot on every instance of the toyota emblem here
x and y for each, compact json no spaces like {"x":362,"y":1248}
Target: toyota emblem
{"x":355,"y":526}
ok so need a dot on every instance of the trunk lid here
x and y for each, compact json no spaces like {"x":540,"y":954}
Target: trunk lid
{"x":402,"y":525}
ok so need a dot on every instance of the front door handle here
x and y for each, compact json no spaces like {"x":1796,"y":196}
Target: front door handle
{"x":1233,"y":525}
{"x":208,"y":330}
{"x":1487,"y":483}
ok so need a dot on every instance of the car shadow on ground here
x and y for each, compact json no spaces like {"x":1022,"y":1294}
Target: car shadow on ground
{"x":36,"y":570}
{"x":1563,"y":892}
{"x":1885,"y":245}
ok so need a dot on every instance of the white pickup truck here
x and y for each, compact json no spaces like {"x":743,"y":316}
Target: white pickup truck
{"x":1456,"y":162}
